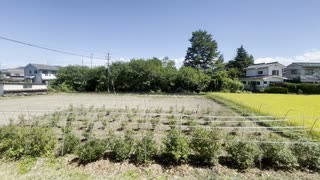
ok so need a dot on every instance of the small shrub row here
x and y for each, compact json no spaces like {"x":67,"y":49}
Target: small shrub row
{"x":244,"y":155}
{"x":276,"y":90}
{"x":300,"y":88}
{"x":203,"y":147}
{"x":19,"y":142}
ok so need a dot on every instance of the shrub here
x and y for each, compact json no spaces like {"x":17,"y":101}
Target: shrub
{"x":276,"y":90}
{"x":17,"y":142}
{"x":278,"y":156}
{"x":308,"y":155}
{"x":176,"y":146}
{"x":70,"y":144}
{"x":122,"y":148}
{"x":145,"y":150}
{"x":91,"y":151}
{"x":206,"y":145}
{"x":243,"y":154}
{"x":231,"y":85}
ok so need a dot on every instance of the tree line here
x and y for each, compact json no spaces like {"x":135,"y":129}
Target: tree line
{"x":203,"y":69}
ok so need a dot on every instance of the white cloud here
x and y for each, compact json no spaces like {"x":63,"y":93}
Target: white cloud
{"x":312,"y":56}
{"x":178,"y":62}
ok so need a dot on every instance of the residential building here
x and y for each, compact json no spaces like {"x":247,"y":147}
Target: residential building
{"x":303,"y":72}
{"x":13,"y":74}
{"x":261,"y":75}
{"x":40,"y":73}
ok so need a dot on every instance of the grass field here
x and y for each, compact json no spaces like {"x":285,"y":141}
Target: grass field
{"x":301,"y":110}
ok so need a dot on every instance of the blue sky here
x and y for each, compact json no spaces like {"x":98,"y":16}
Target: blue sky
{"x":283,"y":30}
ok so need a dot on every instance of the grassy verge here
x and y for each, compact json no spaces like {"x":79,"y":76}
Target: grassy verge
{"x":249,"y":111}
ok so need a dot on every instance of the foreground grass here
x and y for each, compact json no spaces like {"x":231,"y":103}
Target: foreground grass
{"x":301,"y":110}
{"x":61,"y":168}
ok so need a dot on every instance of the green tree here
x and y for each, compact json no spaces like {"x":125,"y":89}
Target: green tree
{"x":240,"y":62}
{"x":203,"y":51}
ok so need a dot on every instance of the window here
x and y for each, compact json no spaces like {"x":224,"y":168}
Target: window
{"x":294,"y":71}
{"x":275,"y":72}
{"x":265,"y":82}
{"x":309,"y":72}
{"x":260,"y":72}
{"x":30,"y":72}
{"x":258,"y":82}
{"x":244,"y":82}
{"x":35,"y":71}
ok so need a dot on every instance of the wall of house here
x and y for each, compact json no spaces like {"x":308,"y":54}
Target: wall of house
{"x":1,"y":89}
{"x":254,"y":72}
{"x":29,"y":70}
{"x":301,"y":73}
{"x":289,"y":75}
{"x":310,"y":78}
{"x":275,"y":67}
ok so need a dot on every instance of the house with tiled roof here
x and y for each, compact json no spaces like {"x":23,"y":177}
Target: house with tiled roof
{"x":40,"y":73}
{"x":303,"y":72}
{"x":262,"y":75}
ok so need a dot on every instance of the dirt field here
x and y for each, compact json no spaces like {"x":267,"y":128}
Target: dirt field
{"x":12,"y":107}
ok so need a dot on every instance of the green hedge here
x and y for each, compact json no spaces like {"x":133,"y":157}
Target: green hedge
{"x":276,"y":90}
{"x":301,"y":88}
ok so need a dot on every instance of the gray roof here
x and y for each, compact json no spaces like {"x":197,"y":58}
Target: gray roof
{"x":308,"y":64}
{"x":46,"y":67}
{"x":262,"y":65}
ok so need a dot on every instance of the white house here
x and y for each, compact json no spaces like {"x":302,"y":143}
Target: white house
{"x":261,"y":75}
{"x":303,"y":72}
{"x":40,"y":73}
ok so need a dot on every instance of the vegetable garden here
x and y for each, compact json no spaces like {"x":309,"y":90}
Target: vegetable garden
{"x":200,"y":135}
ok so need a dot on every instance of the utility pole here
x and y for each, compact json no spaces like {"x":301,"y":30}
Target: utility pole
{"x":82,"y":62}
{"x":108,"y":69}
{"x":91,"y":59}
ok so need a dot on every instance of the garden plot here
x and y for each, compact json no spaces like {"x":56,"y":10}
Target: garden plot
{"x":101,"y":122}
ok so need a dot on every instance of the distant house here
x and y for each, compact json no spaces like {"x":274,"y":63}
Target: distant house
{"x":40,"y":73}
{"x":13,"y":74}
{"x":303,"y":72}
{"x":261,"y":75}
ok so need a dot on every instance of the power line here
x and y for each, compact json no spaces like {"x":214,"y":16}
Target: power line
{"x":49,"y":49}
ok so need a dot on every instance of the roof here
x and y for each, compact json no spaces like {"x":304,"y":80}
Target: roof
{"x":263,"y":65}
{"x":307,"y":64}
{"x":46,"y":67}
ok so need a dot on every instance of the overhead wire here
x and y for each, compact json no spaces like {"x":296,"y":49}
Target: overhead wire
{"x":50,"y":49}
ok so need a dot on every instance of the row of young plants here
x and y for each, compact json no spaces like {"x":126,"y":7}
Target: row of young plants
{"x":202,"y":147}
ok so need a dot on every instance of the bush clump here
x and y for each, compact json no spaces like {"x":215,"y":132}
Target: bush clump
{"x":243,"y":155}
{"x":91,"y":151}
{"x":176,"y":147}
{"x":206,"y":145}
{"x":278,"y":156}
{"x":276,"y":90}
{"x":145,"y":150}
{"x":122,"y":148}
{"x":70,"y":144}
{"x":230,"y":85}
{"x":308,"y":155}
{"x":18,"y":142}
